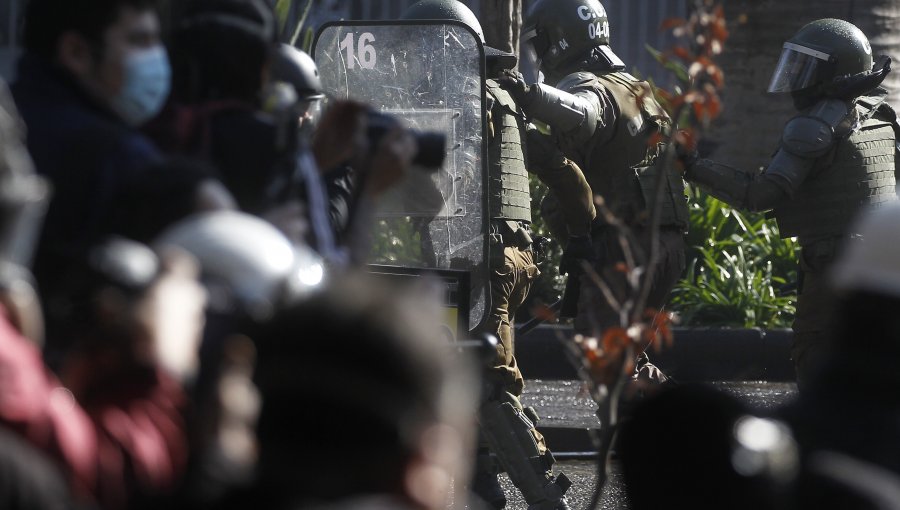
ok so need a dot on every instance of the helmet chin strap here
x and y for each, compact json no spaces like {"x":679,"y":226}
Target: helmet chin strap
{"x":844,"y":87}
{"x":855,"y":85}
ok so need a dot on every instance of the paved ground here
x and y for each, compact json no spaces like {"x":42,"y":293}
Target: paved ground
{"x":565,"y":404}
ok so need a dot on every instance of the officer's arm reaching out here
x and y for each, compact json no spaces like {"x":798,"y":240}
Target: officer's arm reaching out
{"x":805,"y":139}
{"x":735,"y":187}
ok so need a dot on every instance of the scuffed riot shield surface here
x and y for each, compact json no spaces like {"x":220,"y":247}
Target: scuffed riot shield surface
{"x":429,"y":75}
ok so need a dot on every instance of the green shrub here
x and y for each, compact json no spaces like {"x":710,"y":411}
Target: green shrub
{"x":740,"y":272}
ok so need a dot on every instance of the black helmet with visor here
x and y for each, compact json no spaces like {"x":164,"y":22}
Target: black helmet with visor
{"x":819,"y":53}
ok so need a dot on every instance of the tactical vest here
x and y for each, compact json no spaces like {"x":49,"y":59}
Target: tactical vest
{"x":858,"y":172}
{"x":510,"y":196}
{"x":623,"y":170}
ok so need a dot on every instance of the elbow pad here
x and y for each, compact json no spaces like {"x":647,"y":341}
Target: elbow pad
{"x":804,"y":140}
{"x":562,"y":111}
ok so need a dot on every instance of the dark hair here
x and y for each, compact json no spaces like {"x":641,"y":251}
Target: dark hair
{"x":47,"y":20}
{"x":676,"y":452}
{"x":158,"y":197}
{"x":866,"y":326}
{"x":220,"y":50}
{"x":348,"y":381}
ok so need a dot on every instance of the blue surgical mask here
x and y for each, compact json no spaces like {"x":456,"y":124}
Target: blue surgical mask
{"x":146,"y":85}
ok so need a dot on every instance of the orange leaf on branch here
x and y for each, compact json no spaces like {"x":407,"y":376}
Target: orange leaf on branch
{"x":615,"y":340}
{"x":670,"y":23}
{"x":544,"y":312}
{"x":714,"y":106}
{"x":656,"y":139}
{"x":686,"y":138}
{"x":682,"y":53}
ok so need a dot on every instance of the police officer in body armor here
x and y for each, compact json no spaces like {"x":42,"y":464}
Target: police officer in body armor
{"x":602,"y":121}
{"x":836,"y":157}
{"x":506,"y":427}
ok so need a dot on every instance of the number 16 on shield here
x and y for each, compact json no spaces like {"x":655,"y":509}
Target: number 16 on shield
{"x":363,"y":49}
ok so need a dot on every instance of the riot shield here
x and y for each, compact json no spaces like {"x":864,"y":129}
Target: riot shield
{"x":429,"y":74}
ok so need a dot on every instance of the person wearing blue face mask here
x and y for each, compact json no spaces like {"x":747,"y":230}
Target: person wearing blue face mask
{"x":92,"y":72}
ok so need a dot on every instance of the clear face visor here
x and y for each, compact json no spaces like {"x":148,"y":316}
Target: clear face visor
{"x":798,"y":68}
{"x":529,"y":61}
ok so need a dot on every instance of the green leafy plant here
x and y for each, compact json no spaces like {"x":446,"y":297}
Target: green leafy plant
{"x":740,"y":272}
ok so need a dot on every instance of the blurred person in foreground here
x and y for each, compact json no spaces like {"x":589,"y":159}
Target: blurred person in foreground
{"x":91,"y":74}
{"x":852,"y":407}
{"x":694,"y":446}
{"x":339,"y":431}
{"x":112,"y":419}
{"x":114,"y":416}
{"x":29,"y":479}
{"x":250,"y":271}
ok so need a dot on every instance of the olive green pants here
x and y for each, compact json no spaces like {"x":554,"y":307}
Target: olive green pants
{"x":511,"y":280}
{"x":510,"y":283}
{"x":815,"y":311}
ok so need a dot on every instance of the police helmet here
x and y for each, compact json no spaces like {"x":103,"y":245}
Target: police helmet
{"x":819,"y":53}
{"x":456,"y":11}
{"x":558,"y":33}
{"x":297,"y":68}
{"x":444,"y":9}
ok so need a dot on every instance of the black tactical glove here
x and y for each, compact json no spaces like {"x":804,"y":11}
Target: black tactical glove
{"x":579,"y":249}
{"x":514,"y":83}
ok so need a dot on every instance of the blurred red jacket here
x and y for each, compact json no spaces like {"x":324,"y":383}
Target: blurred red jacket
{"x":129,"y":439}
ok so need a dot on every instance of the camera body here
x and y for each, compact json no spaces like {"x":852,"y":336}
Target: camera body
{"x":431,"y":146}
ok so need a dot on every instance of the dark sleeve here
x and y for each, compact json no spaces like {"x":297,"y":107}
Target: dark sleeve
{"x":340,"y":184}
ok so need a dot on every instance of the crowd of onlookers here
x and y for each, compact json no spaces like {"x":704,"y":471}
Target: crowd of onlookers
{"x":174,"y":300}
{"x":184,"y":321}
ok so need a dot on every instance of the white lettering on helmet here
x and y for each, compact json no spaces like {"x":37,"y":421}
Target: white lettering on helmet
{"x":584,"y":12}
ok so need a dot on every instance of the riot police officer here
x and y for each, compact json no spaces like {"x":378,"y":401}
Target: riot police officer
{"x":507,"y":427}
{"x":603,"y":120}
{"x":836,"y":156}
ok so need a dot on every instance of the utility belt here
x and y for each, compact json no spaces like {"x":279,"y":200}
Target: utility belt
{"x":515,"y":234}
{"x":818,"y":255}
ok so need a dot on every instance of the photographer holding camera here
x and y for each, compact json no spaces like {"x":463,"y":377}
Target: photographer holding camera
{"x":248,"y":105}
